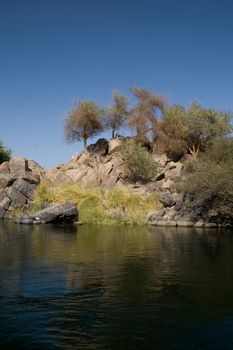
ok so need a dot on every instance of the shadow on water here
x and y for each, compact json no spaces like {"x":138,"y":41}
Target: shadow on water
{"x":100,"y":287}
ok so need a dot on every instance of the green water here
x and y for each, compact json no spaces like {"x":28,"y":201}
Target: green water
{"x":95,"y":287}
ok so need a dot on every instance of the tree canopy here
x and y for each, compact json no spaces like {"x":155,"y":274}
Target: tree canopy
{"x":192,"y":129}
{"x":143,"y":117}
{"x":117,"y":112}
{"x":83,"y":121}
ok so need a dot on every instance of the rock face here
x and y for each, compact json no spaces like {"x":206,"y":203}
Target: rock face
{"x":18,"y":180}
{"x":60,"y":213}
{"x":94,"y":168}
{"x":103,"y":166}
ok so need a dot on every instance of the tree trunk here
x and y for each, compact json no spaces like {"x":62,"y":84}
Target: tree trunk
{"x":194,"y":151}
{"x":113,"y":133}
{"x":85,"y":144}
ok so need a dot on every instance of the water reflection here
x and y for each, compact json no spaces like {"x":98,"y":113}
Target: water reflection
{"x":93,"y":287}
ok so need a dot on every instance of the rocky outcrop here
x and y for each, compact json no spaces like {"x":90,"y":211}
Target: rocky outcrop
{"x":99,"y":148}
{"x":94,"y":168}
{"x":18,"y":180}
{"x":103,"y":166}
{"x":59,"y":213}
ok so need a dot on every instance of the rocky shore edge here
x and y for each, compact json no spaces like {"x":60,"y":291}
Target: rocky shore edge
{"x":102,"y":166}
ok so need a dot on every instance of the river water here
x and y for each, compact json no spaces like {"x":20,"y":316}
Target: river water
{"x":100,"y":287}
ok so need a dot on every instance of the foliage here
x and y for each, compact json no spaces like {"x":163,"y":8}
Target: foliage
{"x":192,"y":129}
{"x":102,"y":206}
{"x":43,"y":193}
{"x":83,"y":121}
{"x":117,"y":112}
{"x":204,"y":125}
{"x":139,"y":162}
{"x":173,"y":132}
{"x":211,"y":175}
{"x":142,"y":118}
{"x":5,"y":153}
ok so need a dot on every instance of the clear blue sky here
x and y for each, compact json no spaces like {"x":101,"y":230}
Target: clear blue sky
{"x":53,"y":52}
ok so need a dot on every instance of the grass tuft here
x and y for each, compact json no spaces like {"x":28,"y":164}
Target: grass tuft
{"x":98,"y":205}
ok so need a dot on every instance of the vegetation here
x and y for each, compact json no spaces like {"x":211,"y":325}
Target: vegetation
{"x":203,"y":126}
{"x":143,"y":117}
{"x":5,"y":153}
{"x":139,"y":162}
{"x":173,"y":132}
{"x":211,"y":176}
{"x":101,"y":206}
{"x":191,"y":130}
{"x":173,"y":129}
{"x":83,"y":121}
{"x":116,"y":113}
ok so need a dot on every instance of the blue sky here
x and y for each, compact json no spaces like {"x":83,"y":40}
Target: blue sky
{"x":53,"y":52}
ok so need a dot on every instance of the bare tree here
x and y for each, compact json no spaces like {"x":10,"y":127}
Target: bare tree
{"x":144,"y":116}
{"x":83,"y":121}
{"x":116,"y":112}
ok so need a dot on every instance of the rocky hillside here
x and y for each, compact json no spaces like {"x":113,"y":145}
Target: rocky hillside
{"x":104,"y":166}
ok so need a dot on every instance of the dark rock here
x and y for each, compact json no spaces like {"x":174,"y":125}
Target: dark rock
{"x":167,"y":199}
{"x":5,"y":203}
{"x":160,"y":176}
{"x":186,"y":217}
{"x":59,"y":213}
{"x":99,"y":148}
{"x":17,"y":198}
{"x":157,"y":216}
{"x":24,"y":187}
{"x":65,"y":212}
{"x":180,"y":201}
{"x":2,"y":212}
{"x":2,"y":194}
{"x":176,"y":154}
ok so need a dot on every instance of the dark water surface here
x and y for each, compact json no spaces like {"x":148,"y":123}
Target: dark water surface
{"x":115,"y":288}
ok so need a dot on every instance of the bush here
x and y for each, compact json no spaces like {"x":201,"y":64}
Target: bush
{"x":5,"y":153}
{"x":211,"y":175}
{"x":139,"y":162}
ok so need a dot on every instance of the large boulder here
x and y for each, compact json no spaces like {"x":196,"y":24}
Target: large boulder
{"x":59,"y":213}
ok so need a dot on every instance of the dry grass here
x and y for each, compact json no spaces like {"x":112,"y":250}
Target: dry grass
{"x":114,"y":206}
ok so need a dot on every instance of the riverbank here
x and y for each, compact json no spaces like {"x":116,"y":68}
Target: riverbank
{"x":104,"y":190}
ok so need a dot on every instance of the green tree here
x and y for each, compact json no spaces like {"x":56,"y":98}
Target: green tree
{"x":116,"y":112}
{"x":5,"y":153}
{"x":204,"y":125}
{"x":191,"y":130}
{"x":83,"y":121}
{"x":143,"y":117}
{"x":172,"y":133}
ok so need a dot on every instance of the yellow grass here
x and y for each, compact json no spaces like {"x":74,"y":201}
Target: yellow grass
{"x":100,"y":205}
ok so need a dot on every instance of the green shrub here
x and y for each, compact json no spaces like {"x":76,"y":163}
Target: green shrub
{"x":139,"y":162}
{"x":5,"y":153}
{"x":211,"y":175}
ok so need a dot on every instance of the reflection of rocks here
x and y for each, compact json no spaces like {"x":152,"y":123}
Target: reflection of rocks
{"x":59,"y":213}
{"x":18,"y":180}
